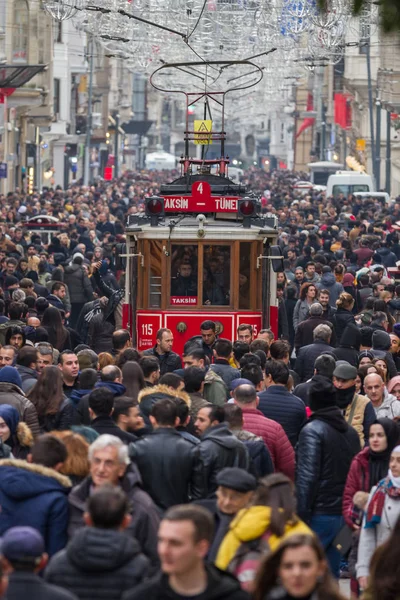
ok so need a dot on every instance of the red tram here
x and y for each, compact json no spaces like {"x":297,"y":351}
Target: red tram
{"x":202,"y":250}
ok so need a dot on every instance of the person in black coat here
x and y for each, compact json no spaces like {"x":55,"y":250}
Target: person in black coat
{"x":326,"y":447}
{"x":101,"y":404}
{"x":290,"y":302}
{"x":162,"y":351}
{"x":305,"y":329}
{"x":278,"y":404}
{"x":185,"y":574}
{"x":219,"y":448}
{"x":305,"y":360}
{"x":23,"y":555}
{"x":101,"y":561}
{"x":324,"y":365}
{"x":349,"y":346}
{"x":343,"y":316}
{"x":178,"y":477}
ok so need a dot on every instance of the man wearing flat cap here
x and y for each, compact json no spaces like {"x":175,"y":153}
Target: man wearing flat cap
{"x":234,"y":492}
{"x":357,"y":410}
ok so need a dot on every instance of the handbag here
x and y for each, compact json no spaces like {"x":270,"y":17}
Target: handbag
{"x":343,"y":540}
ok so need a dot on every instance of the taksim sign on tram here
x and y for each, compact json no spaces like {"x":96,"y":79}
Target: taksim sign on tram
{"x":201,"y":201}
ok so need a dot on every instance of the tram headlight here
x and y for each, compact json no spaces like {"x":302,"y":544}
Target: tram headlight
{"x":247,"y":209}
{"x":154,"y":208}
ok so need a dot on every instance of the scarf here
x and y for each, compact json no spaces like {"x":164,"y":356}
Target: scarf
{"x":386,"y":487}
{"x":379,"y":461}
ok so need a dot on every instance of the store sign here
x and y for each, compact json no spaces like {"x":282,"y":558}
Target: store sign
{"x":183,"y":300}
{"x":3,"y":170}
{"x":201,"y":201}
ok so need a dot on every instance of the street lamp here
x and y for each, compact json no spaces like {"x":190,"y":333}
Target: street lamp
{"x":61,"y":10}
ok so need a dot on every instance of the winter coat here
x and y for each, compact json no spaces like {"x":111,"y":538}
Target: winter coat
{"x":12,"y":394}
{"x":145,"y":516}
{"x":357,"y":481}
{"x":260,"y":457}
{"x":225,"y":371}
{"x":114,"y":296}
{"x":106,"y":425}
{"x":21,"y":442}
{"x":170,"y":467}
{"x":301,"y":312}
{"x":99,"y":563}
{"x":29,"y":377}
{"x":274,"y":438}
{"x":304,"y":332}
{"x":389,"y":408}
{"x":79,"y":286}
{"x":328,"y":282}
{"x":278,"y":404}
{"x":66,"y":300}
{"x":388,"y":258}
{"x":100,"y":333}
{"x":221,"y":586}
{"x":61,"y":421}
{"x":349,"y":345}
{"x":373,"y":537}
{"x":219,"y":448}
{"x":215,"y":389}
{"x":324,"y":454}
{"x":305,"y":360}
{"x":56,"y":301}
{"x":22,"y":584}
{"x":340,"y":320}
{"x":249,"y":540}
{"x":169,"y":361}
{"x":35,"y":496}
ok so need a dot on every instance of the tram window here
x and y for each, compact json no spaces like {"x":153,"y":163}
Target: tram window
{"x":244,"y":275}
{"x":155,"y":279}
{"x":184,"y":261}
{"x":216,"y":275}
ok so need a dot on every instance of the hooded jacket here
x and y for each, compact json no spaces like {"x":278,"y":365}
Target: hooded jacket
{"x":219,"y":448}
{"x":149,"y":396}
{"x":380,"y":349}
{"x":341,"y":319}
{"x":327,"y":445}
{"x":388,"y":258}
{"x":10,"y":393}
{"x":145,"y":516}
{"x":389,"y":408}
{"x":328,"y":282}
{"x":170,"y":467}
{"x":21,"y":442}
{"x":349,"y":345}
{"x":221,"y":586}
{"x":35,"y":496}
{"x":79,"y":286}
{"x":28,"y":376}
{"x":249,"y":539}
{"x":99,"y":563}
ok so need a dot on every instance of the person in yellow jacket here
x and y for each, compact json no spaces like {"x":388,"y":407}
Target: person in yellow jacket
{"x":259,"y":529}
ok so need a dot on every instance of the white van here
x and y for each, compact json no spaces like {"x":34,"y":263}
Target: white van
{"x":349,"y":182}
{"x":383,"y":197}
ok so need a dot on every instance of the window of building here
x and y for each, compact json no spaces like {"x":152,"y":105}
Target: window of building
{"x":20,"y":36}
{"x":56,"y":100}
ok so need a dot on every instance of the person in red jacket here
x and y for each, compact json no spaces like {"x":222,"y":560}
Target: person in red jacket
{"x":270,"y":431}
{"x":367,"y":468}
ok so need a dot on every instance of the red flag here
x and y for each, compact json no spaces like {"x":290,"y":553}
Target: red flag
{"x":343,"y":110}
{"x":309,"y":121}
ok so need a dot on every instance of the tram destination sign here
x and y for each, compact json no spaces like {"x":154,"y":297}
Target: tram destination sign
{"x":201,"y":201}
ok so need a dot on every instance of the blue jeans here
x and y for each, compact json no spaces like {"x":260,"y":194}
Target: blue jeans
{"x":327,"y":527}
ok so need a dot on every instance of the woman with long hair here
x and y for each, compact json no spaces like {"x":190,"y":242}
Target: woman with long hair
{"x":105,"y":359}
{"x":59,"y":336}
{"x":296,"y":570}
{"x":343,"y":316}
{"x":77,"y":465}
{"x":133,"y":379}
{"x":381,"y":516}
{"x":259,"y":529}
{"x":53,"y":408}
{"x":307,"y":296}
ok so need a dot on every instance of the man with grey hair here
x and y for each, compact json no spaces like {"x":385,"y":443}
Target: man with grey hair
{"x":110,"y":464}
{"x":305,"y":330}
{"x":307,"y":354}
{"x":45,"y":356}
{"x":385,"y":404}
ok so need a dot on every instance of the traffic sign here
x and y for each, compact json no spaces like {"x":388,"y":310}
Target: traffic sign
{"x":360,"y":145}
{"x":202,"y":130}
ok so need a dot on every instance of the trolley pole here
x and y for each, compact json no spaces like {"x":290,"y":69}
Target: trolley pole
{"x":370,"y":105}
{"x":89,"y":115}
{"x":116,"y":157}
{"x":378,"y":143}
{"x":388,"y":152}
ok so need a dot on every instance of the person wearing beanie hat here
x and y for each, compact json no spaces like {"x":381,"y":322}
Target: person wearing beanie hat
{"x":11,"y":393}
{"x":356,"y":409}
{"x":326,"y":447}
{"x":234,"y":492}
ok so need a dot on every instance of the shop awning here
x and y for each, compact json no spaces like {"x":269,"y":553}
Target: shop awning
{"x":15,"y":76}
